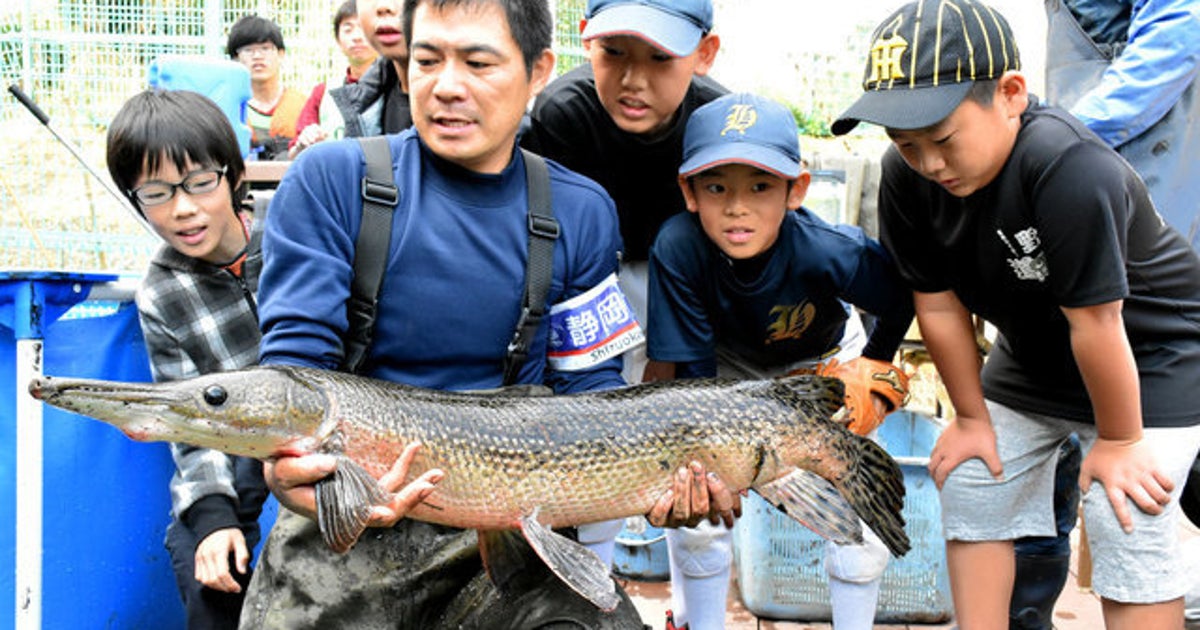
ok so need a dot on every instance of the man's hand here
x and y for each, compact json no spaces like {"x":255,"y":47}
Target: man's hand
{"x":292,"y":479}
{"x":1126,"y":469}
{"x":694,"y":497}
{"x":212,"y":559}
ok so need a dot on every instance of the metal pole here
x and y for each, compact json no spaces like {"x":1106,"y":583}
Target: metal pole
{"x":30,"y":304}
{"x":41,"y":116}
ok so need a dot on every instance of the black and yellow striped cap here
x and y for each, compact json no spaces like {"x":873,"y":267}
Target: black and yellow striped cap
{"x":923,"y":60}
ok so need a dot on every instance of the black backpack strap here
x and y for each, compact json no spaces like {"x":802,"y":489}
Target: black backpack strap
{"x":543,"y":231}
{"x":380,"y":196}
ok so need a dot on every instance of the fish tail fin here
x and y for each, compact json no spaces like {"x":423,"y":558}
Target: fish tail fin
{"x":344,"y":501}
{"x":875,"y":487}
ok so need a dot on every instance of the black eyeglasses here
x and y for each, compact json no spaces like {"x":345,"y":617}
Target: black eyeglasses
{"x":156,"y":193}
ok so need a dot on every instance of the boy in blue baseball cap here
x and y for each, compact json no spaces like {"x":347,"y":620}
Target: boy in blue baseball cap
{"x":619,"y":120}
{"x":749,"y":283}
{"x":997,"y":205}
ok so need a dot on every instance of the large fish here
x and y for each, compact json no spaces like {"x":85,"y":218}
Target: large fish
{"x":525,"y":462}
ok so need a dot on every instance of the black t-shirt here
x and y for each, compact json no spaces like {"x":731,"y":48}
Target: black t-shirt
{"x":570,"y":126}
{"x":1067,"y":223}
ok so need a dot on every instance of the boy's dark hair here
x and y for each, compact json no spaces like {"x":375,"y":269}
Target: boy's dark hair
{"x":252,"y":29}
{"x":982,"y":92}
{"x":528,"y":20}
{"x":175,"y":125}
{"x":349,"y":9}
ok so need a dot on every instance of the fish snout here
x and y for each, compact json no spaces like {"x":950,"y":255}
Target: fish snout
{"x":37,"y":387}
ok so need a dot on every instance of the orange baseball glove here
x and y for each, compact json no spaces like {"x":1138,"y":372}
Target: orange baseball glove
{"x":864,"y":377}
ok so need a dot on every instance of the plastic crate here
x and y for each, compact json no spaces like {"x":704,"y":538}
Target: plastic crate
{"x":641,"y":551}
{"x":781,"y":564}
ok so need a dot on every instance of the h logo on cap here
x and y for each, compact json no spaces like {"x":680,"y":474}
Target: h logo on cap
{"x":885,"y":59}
{"x":741,"y":117}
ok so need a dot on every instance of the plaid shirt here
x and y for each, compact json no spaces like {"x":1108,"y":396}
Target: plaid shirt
{"x":196,"y":319}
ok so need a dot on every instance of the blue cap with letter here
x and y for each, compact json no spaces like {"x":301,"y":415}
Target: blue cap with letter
{"x":675,"y":27}
{"x":742,"y":129}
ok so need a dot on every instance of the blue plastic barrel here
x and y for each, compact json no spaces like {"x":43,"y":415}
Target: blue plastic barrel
{"x":105,"y":498}
{"x":225,"y":81}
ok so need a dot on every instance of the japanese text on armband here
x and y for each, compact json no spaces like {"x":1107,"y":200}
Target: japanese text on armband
{"x":592,"y":327}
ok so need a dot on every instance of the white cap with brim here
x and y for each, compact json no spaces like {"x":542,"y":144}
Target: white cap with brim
{"x":673,"y":34}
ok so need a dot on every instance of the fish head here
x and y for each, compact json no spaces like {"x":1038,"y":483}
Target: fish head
{"x":258,"y":412}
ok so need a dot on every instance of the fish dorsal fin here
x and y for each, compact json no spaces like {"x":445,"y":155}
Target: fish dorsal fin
{"x":821,"y":396}
{"x":816,"y":504}
{"x":344,"y":501}
{"x":573,"y":563}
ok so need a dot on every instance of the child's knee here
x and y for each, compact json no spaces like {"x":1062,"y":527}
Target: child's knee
{"x":857,"y":563}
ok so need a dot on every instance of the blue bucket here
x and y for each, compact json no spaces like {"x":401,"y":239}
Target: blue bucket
{"x":226,"y":82}
{"x":781,"y":564}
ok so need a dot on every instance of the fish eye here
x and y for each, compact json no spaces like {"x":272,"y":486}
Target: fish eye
{"x":215,"y":395}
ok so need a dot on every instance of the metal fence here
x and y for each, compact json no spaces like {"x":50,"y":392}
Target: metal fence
{"x":79,"y":60}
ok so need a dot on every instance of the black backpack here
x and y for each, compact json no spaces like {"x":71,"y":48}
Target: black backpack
{"x":380,"y":196}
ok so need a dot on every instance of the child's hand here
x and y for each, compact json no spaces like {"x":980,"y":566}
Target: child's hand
{"x":961,"y":440}
{"x":1126,"y":469}
{"x":212,"y":559}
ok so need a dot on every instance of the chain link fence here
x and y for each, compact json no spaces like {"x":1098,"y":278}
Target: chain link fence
{"x":79,"y":60}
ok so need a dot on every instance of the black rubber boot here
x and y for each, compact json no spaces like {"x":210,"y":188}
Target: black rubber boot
{"x":1039,"y":581}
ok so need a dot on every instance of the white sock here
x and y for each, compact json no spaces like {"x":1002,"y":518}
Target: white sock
{"x":700,"y":601}
{"x":853,"y":603}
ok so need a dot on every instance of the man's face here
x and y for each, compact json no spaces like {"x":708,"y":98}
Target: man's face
{"x":640,"y":86}
{"x":262,"y":60}
{"x":468,"y":85}
{"x":353,"y":42}
{"x":380,"y":20}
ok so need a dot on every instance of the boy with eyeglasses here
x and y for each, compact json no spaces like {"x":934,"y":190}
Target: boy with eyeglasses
{"x":175,"y":155}
{"x":257,"y":43}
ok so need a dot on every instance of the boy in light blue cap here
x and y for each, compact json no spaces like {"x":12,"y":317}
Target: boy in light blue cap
{"x":749,"y":283}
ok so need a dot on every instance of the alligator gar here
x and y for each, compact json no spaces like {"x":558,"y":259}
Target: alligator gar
{"x":524,"y":462}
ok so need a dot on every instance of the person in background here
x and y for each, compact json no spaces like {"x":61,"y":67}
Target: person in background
{"x":378,"y":103}
{"x":997,"y":205}
{"x":321,"y":118}
{"x":750,"y":284}
{"x":257,"y":43}
{"x":619,"y":120}
{"x":175,"y":155}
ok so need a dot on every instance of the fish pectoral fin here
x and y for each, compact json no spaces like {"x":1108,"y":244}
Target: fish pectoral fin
{"x":815,"y":503}
{"x":344,"y":501}
{"x":573,"y":563}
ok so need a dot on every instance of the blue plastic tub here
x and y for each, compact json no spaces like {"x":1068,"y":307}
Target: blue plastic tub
{"x":641,"y":551}
{"x":781,"y":564}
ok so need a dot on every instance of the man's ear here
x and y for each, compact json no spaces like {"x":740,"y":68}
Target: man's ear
{"x":689,"y":198}
{"x":540,"y":74}
{"x":706,"y":53}
{"x":798,"y":190}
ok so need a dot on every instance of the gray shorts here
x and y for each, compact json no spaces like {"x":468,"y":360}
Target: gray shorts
{"x":1141,"y":567}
